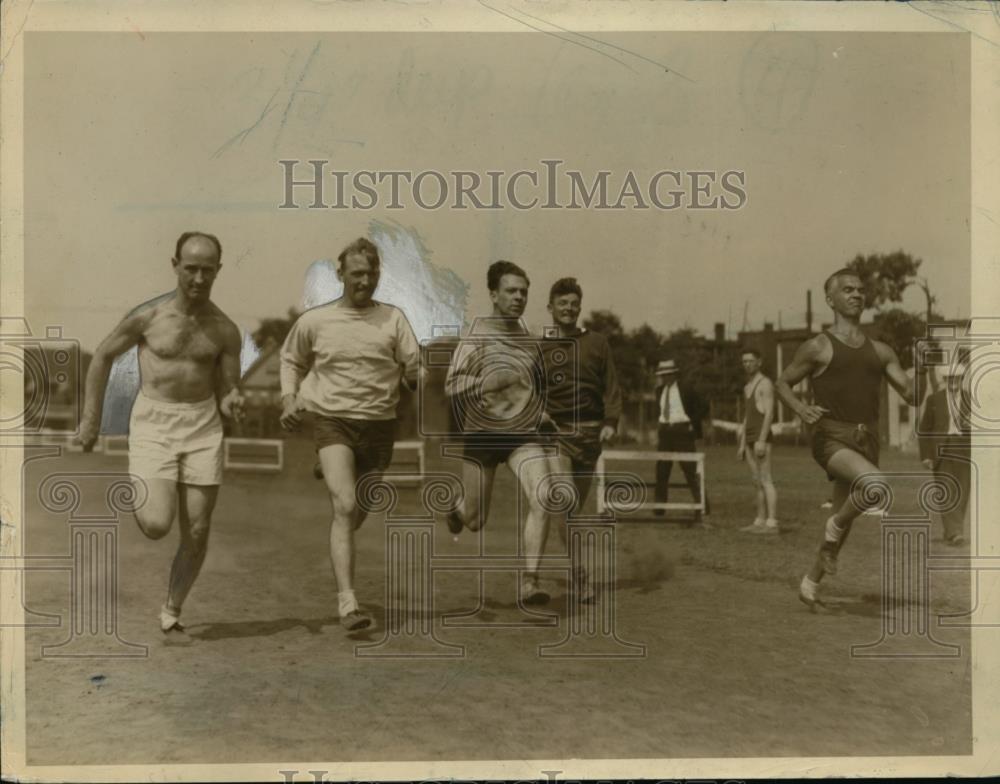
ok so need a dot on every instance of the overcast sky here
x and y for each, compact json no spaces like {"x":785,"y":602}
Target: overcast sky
{"x":850,"y":143}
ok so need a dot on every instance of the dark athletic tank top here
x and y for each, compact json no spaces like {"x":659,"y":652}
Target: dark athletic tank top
{"x":753,"y":420}
{"x":849,"y":387}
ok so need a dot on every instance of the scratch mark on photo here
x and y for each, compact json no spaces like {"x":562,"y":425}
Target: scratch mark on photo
{"x":556,"y":35}
{"x":657,"y":63}
{"x":246,"y":131}
{"x":294,"y":92}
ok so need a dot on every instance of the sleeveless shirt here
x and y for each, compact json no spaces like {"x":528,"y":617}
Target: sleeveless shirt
{"x":754,"y":419}
{"x":849,"y":387}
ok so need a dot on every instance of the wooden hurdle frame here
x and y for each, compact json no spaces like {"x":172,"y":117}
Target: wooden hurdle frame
{"x":230,"y":464}
{"x":116,"y":446}
{"x":678,"y":457}
{"x":50,"y":437}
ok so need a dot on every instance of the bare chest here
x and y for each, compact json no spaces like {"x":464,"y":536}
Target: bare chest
{"x":177,"y":337}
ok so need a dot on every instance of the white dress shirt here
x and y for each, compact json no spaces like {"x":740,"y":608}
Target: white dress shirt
{"x":671,"y":408}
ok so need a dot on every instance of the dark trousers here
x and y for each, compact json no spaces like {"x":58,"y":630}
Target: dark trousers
{"x":946,"y":470}
{"x":677,"y":438}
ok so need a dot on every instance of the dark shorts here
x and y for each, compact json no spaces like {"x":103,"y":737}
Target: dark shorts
{"x":830,"y":436}
{"x":583,"y":447}
{"x":491,"y":450}
{"x":752,"y":436}
{"x":371,"y":440}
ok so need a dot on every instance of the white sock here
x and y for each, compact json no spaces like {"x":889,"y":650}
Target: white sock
{"x":771,"y":522}
{"x":808,"y":587}
{"x":168,"y":617}
{"x":833,"y":531}
{"x":346,"y":602}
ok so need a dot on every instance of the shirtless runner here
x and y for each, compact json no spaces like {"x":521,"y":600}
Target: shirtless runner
{"x":189,"y":364}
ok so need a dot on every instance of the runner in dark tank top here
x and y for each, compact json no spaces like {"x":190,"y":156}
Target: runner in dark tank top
{"x":845,"y":369}
{"x":849,"y":387}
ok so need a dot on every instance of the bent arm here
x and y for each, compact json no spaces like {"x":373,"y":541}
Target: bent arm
{"x":612,"y":393}
{"x":296,"y":359}
{"x":228,"y":377}
{"x":407,"y":352}
{"x":896,"y":376}
{"x":803,"y":364}
{"x":125,"y":336}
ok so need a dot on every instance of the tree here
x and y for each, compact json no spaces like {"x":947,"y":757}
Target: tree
{"x":274,"y":329}
{"x":607,"y":323}
{"x":901,"y":330}
{"x":886,"y":276}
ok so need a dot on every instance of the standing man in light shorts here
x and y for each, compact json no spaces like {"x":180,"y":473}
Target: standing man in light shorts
{"x":342,"y":364}
{"x":755,"y":442}
{"x":189,"y":364}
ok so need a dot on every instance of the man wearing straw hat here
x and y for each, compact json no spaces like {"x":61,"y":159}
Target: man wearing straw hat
{"x":681,"y":411}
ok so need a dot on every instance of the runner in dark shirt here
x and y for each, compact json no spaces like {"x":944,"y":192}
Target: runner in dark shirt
{"x":846,"y":369}
{"x":582,"y":396}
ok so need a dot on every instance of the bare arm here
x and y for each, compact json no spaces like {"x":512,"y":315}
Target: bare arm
{"x":895,"y":374}
{"x":228,"y":391}
{"x":125,"y":336}
{"x":766,"y":393}
{"x":808,"y":358}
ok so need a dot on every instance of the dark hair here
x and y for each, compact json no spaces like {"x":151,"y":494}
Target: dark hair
{"x":191,"y":234}
{"x":360,"y":247}
{"x":565,"y":286}
{"x":839,"y":273}
{"x":753,"y":351}
{"x":500,"y":268}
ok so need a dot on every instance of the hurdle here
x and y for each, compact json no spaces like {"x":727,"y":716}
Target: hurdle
{"x":408,"y":470}
{"x":266,"y":455}
{"x":50,"y":437}
{"x":603,"y":503}
{"x":116,"y":446}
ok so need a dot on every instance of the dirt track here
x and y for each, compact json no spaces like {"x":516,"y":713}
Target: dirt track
{"x":734,"y":665}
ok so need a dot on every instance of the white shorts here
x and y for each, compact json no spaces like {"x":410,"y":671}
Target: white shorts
{"x":181,"y":442}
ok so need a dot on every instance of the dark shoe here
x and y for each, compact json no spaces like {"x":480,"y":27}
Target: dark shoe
{"x":176,"y":635}
{"x":955,"y":541}
{"x":531,"y":594}
{"x":356,"y":620}
{"x":454,"y":521}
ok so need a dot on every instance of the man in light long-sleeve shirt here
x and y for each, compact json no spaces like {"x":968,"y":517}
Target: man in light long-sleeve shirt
{"x":342,"y":363}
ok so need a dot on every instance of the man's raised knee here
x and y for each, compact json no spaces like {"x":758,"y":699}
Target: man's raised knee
{"x":155,"y":526}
